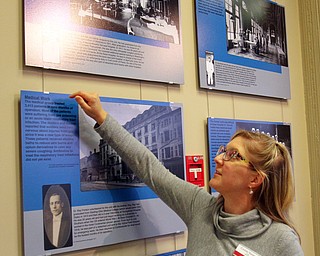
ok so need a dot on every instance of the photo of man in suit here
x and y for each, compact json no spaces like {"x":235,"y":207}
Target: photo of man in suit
{"x":210,"y":68}
{"x":57,"y":217}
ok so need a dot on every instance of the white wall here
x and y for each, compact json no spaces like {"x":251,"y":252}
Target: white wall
{"x":198,"y":105}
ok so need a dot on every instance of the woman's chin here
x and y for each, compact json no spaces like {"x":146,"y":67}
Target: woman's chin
{"x":213,"y":184}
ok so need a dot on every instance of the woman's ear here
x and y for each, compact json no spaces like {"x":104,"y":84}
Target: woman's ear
{"x":256,"y":180}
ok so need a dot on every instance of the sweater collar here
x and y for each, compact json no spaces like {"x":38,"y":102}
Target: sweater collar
{"x":247,"y":225}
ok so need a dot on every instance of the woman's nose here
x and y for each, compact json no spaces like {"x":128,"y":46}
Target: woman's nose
{"x":219,"y":159}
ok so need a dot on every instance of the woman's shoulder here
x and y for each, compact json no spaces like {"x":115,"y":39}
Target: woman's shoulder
{"x":281,"y":231}
{"x":282,"y":228}
{"x":286,"y":239}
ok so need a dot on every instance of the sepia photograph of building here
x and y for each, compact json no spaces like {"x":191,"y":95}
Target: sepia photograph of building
{"x":159,"y":128}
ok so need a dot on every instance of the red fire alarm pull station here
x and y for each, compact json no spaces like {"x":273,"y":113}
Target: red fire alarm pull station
{"x":194,"y":170}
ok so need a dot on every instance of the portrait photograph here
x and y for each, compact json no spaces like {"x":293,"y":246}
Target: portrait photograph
{"x":57,"y":216}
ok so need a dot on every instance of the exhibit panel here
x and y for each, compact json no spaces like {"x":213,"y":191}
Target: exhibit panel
{"x":72,"y":177}
{"x":111,"y":38}
{"x":242,"y":47}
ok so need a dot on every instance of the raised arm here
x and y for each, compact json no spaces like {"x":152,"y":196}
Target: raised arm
{"x":175,"y":192}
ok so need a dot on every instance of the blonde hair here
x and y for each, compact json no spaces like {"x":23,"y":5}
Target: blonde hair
{"x":272,"y":161}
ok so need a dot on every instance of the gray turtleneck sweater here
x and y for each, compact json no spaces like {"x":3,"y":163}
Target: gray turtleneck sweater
{"x":211,"y":231}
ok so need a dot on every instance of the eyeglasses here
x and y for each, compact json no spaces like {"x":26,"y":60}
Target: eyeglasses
{"x":232,"y":154}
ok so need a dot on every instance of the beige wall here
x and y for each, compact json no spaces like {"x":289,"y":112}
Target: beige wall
{"x":198,"y":105}
{"x":310,"y":35}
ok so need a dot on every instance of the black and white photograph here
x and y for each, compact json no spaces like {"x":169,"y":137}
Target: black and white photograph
{"x":57,"y":216}
{"x":153,"y":19}
{"x":210,"y":68}
{"x":158,"y":127}
{"x":256,"y":30}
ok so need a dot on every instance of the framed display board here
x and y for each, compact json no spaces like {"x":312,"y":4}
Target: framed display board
{"x":129,"y":38}
{"x":67,"y":168}
{"x":220,"y":131}
{"x":242,"y":47}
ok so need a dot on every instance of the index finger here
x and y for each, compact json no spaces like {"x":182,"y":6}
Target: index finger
{"x":79,"y":93}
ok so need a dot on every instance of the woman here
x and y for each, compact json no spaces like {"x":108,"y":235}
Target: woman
{"x":254,"y":179}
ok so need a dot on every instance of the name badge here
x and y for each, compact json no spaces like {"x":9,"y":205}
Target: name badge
{"x":242,"y":250}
